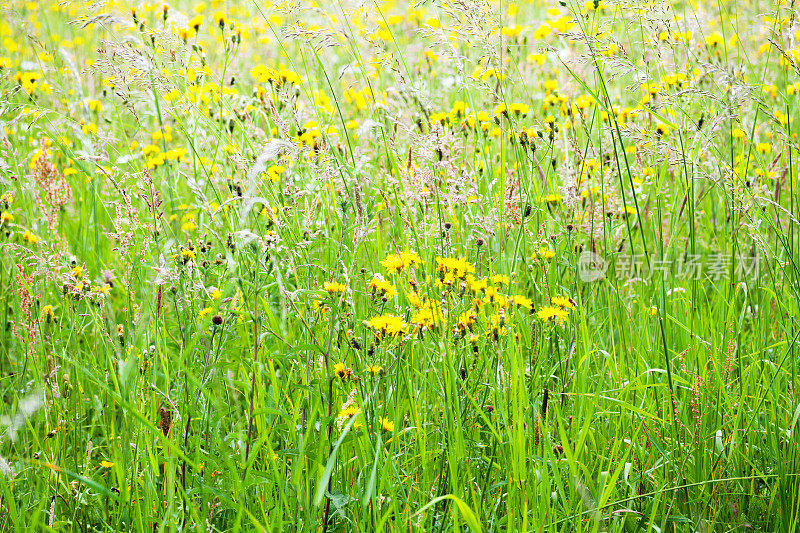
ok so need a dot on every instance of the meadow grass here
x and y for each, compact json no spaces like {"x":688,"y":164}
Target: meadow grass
{"x":386,"y":266}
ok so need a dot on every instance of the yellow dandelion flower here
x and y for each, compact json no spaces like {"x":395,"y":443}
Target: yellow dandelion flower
{"x":386,"y":424}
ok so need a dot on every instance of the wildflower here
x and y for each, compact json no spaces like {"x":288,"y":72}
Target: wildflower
{"x":542,"y":31}
{"x":763,"y":148}
{"x":378,"y":285}
{"x":500,"y":279}
{"x":410,"y":258}
{"x":5,"y":216}
{"x":221,"y":20}
{"x":455,"y":267}
{"x":187,"y":254}
{"x":714,"y":40}
{"x":108,"y":277}
{"x":348,"y":412}
{"x":274,"y":173}
{"x":552,"y":199}
{"x":498,"y":319}
{"x":47,"y":313}
{"x":374,"y":369}
{"x":106,"y":464}
{"x":104,"y":289}
{"x":414,"y":299}
{"x":545,"y":253}
{"x":522,"y":301}
{"x":386,"y":425}
{"x":466,"y":321}
{"x":30,"y":237}
{"x":562,"y":302}
{"x":390,"y":325}
{"x":459,"y":108}
{"x":317,"y":305}
{"x":204,"y":312}
{"x":495,"y":327}
{"x":394,"y":263}
{"x":520,"y":109}
{"x":439,"y":118}
{"x":553,"y":313}
{"x":340,"y":370}
{"x":491,"y":294}
{"x":477,"y":285}
{"x":428,"y":317}
{"x":332,"y":287}
{"x":195,"y":23}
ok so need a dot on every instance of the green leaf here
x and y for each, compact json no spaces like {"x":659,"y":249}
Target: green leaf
{"x":326,"y":475}
{"x":469,"y":516}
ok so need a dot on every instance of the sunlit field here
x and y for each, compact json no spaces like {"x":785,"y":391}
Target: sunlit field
{"x":372,"y":265}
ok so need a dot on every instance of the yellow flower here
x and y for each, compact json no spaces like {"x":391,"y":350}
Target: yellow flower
{"x":491,"y":294}
{"x":317,"y":305}
{"x":440,"y":118}
{"x":374,"y":369}
{"x":520,"y":109}
{"x":410,"y":258}
{"x":457,"y":267}
{"x":388,"y":325}
{"x":30,"y":237}
{"x":522,"y":301}
{"x":274,"y":173}
{"x":106,"y":464}
{"x":386,"y":425}
{"x":545,"y":253}
{"x":459,"y":108}
{"x":429,"y":316}
{"x":332,"y":287}
{"x":552,"y":313}
{"x":394,"y":263}
{"x":414,"y":299}
{"x":477,"y":285}
{"x":340,"y":370}
{"x":715,"y":39}
{"x":105,"y":288}
{"x":349,"y":411}
{"x":542,"y":31}
{"x":378,"y":285}
{"x":552,"y":198}
{"x":195,"y":22}
{"x":499,"y":279}
{"x":562,"y":302}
